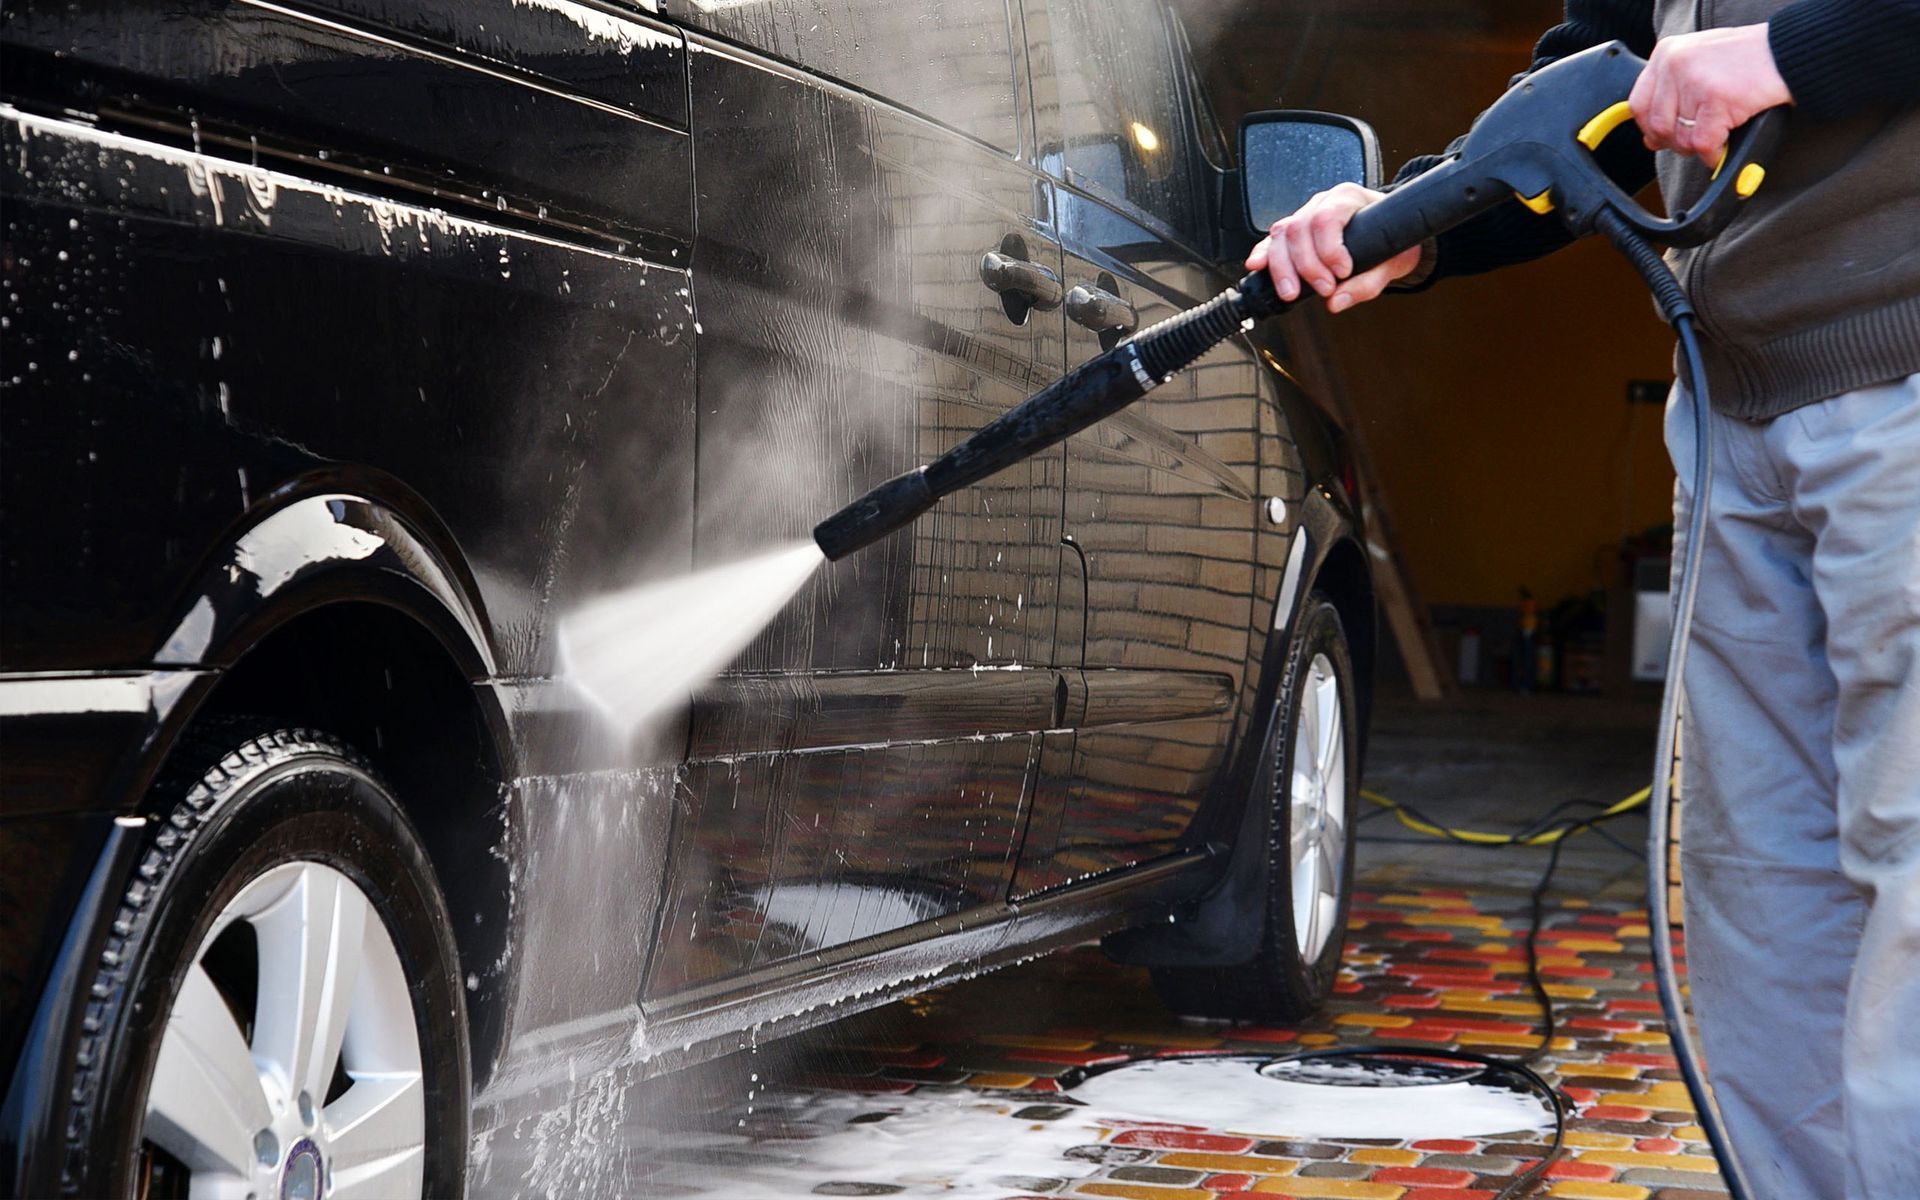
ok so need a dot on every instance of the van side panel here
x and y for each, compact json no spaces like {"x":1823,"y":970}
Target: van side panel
{"x":295,"y":253}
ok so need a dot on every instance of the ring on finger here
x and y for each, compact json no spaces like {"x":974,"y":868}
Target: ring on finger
{"x":1689,"y":122}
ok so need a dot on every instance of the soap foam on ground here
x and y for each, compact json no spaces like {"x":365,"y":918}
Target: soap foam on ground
{"x":960,"y":1145}
{"x":1230,"y":1094}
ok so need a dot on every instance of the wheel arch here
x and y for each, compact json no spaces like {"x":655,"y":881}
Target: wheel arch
{"x":1346,"y":579}
{"x":1221,"y":925}
{"x":357,"y":616}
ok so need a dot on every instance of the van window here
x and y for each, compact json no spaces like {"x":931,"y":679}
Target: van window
{"x":1121,"y":119}
{"x":949,"y":59}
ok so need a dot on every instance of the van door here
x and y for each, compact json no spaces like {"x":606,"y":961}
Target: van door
{"x":866,"y":765}
{"x":1160,"y":499}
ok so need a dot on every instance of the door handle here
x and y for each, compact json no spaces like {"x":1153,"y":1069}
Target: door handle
{"x":1011,"y":276}
{"x":1101,"y":310}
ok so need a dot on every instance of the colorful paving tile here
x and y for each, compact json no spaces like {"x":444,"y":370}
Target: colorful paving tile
{"x":1430,"y":967}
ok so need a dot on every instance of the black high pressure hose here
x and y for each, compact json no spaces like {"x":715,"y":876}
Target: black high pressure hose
{"x":1677,"y":312}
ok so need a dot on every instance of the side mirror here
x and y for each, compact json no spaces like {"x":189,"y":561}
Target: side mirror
{"x":1287,"y":155}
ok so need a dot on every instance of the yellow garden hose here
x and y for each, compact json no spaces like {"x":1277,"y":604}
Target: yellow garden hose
{"x":1480,"y":838}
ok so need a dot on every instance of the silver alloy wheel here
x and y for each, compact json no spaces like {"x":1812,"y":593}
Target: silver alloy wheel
{"x":1317,"y":802}
{"x":251,"y":1120}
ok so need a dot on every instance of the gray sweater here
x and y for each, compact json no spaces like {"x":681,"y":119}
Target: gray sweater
{"x":1814,"y":290}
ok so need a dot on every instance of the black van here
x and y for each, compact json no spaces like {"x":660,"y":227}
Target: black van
{"x":349,"y":345}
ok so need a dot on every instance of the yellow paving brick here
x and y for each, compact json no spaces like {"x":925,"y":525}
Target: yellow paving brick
{"x":1463,"y":920}
{"x":1472,"y":1037}
{"x":1035,"y":1041}
{"x":1664,"y":1095}
{"x":1666,"y":1162}
{"x":1583,"y":1139}
{"x":1405,"y":899}
{"x":1380,"y":1156}
{"x":1587,"y":1189}
{"x":1520,"y":968}
{"x":1252,"y":1164}
{"x":1491,"y":948}
{"x":1648,"y":1038}
{"x":1560,"y":1044}
{"x":1634,"y":931}
{"x":1376,"y":1020}
{"x":1362,"y":960}
{"x":1317,"y":1039}
{"x":1584,"y":944}
{"x":1524,"y":1008}
{"x":1574,"y":902}
{"x":999,"y":1079}
{"x":1136,"y":1191}
{"x":1690,"y":1133}
{"x":1600,"y":1070}
{"x":1569,"y":991}
{"x":1182,"y":1041}
{"x":1355,"y":1189}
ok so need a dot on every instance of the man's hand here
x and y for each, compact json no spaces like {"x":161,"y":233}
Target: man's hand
{"x":1699,"y":87}
{"x":1310,"y":246}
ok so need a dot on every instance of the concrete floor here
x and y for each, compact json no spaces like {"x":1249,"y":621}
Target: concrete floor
{"x":1497,"y":761}
{"x":969,"y":1091}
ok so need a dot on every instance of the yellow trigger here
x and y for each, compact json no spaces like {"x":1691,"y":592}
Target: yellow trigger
{"x":1612,"y":117}
{"x":1542,"y":204}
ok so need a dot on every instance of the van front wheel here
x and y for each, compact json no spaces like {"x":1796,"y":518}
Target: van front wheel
{"x":1308,"y":783}
{"x":278,"y":1010}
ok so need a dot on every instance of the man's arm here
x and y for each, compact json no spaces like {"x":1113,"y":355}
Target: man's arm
{"x":1514,"y":233}
{"x":1840,"y":56}
{"x":1306,"y":249}
{"x":1830,"y":58}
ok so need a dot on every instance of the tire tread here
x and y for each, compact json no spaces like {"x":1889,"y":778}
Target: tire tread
{"x":204,"y":770}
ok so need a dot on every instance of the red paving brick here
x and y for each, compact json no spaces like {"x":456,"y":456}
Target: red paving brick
{"x":1167,"y":1139}
{"x":1575,"y":1169}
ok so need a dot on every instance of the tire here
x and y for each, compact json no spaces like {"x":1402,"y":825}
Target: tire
{"x":1293,"y":971}
{"x":203,"y":1064}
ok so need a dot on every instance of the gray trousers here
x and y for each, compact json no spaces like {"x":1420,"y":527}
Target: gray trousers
{"x":1801,"y":777}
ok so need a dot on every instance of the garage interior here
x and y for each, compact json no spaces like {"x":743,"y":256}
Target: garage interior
{"x":1515,"y":420}
{"x":1514,"y":430}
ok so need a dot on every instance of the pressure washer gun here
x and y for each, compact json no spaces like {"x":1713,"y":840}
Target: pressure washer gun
{"x":1535,"y":145}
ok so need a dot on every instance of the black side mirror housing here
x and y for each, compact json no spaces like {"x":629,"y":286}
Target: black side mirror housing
{"x":1288,"y":155}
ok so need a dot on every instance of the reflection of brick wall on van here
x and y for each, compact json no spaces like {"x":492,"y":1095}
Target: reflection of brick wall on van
{"x":984,"y":561}
{"x":1168,"y":541}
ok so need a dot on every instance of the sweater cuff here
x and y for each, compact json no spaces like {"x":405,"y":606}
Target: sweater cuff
{"x":1825,"y":54}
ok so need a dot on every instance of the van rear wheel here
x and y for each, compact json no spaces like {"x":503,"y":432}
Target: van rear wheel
{"x":278,"y":1011}
{"x":1308,"y":783}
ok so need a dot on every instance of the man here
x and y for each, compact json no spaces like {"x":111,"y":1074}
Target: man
{"x":1802,"y":772}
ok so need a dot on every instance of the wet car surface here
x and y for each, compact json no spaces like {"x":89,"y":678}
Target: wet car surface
{"x":352,"y":346}
{"x":978,"y":1089}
